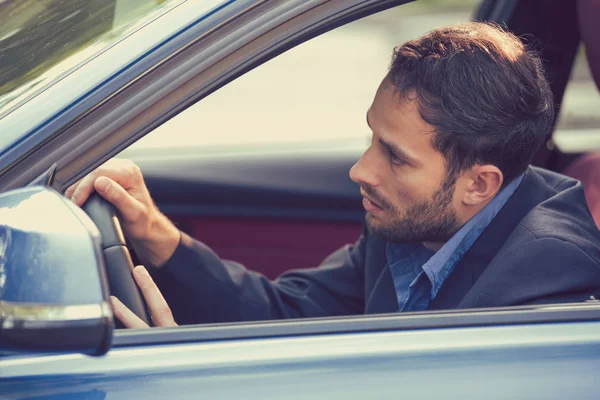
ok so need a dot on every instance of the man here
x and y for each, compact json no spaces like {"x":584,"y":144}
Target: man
{"x":455,"y":216}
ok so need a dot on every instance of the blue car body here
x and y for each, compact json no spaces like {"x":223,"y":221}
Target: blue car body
{"x":545,"y":361}
{"x":546,"y":352}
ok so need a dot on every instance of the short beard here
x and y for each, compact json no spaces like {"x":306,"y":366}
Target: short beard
{"x":432,"y":220}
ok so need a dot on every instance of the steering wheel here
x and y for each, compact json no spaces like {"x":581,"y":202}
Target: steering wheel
{"x":118,"y":262}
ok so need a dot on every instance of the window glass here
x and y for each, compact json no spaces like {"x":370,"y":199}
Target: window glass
{"x":41,"y":40}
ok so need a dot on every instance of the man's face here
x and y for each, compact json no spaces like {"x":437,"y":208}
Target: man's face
{"x":406,"y":192}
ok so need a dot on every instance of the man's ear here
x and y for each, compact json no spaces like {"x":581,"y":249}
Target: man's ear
{"x":484,"y":182}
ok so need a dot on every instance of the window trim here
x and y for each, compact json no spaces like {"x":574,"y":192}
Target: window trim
{"x":498,"y":316}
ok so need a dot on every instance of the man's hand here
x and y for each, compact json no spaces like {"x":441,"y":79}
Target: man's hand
{"x":159,"y":309}
{"x":152,"y":235}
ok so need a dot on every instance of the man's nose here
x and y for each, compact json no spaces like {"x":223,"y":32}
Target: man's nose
{"x":364,"y":171}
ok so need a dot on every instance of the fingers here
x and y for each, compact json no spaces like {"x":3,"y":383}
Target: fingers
{"x":130,"y":208}
{"x":71,"y":189}
{"x":124,"y":172}
{"x":83,"y":189}
{"x":161,"y":313}
{"x":125,"y":315}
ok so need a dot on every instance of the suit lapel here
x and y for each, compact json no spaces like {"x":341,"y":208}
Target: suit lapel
{"x":379,"y":285}
{"x":529,"y":193}
{"x":383,"y":296}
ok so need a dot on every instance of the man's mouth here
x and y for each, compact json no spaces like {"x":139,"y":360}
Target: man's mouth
{"x":370,"y":206}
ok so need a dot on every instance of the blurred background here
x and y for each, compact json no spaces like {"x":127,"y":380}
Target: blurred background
{"x":315,"y":95}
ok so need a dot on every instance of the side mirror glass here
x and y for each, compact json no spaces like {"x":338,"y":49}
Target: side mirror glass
{"x":53,"y":288}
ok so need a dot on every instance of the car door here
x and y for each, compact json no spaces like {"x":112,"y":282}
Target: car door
{"x":526,"y":353}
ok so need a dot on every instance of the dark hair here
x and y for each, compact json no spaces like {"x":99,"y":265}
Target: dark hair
{"x":482,"y":90}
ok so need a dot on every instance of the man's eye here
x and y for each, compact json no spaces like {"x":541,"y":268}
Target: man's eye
{"x":395,"y":159}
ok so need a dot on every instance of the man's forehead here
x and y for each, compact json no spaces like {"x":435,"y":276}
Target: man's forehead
{"x":392,"y":93}
{"x":397,"y":111}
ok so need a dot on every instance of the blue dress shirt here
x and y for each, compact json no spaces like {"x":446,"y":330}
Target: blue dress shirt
{"x":418,"y":273}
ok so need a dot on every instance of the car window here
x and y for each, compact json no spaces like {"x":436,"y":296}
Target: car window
{"x":316,"y":93}
{"x":41,"y":40}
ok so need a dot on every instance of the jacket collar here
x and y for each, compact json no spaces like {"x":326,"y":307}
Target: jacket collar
{"x":531,"y":192}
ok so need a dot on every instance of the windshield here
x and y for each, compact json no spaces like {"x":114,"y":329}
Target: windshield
{"x":42,"y":40}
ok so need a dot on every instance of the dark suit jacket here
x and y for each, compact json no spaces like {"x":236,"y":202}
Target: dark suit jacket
{"x":542,"y":247}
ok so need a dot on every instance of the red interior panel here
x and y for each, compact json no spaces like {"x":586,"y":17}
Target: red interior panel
{"x":271,"y":246}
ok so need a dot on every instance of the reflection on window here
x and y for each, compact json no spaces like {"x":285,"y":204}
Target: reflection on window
{"x":40,"y":40}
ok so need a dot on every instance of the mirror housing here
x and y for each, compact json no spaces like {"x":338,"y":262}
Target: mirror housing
{"x":53,"y":286}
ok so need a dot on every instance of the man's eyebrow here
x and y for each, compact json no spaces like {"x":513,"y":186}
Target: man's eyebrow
{"x":398,"y":152}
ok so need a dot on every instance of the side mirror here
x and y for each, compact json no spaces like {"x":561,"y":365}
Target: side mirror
{"x":53,"y":288}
